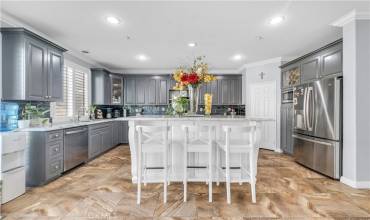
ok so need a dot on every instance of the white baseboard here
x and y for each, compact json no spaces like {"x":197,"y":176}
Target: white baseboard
{"x":355,"y":184}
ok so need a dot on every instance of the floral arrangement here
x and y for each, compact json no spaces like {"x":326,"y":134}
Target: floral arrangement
{"x":193,"y":76}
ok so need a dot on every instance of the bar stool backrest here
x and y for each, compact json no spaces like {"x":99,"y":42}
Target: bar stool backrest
{"x":152,"y":133}
{"x":200,"y":131}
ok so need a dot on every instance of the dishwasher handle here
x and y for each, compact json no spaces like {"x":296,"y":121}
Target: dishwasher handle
{"x":76,"y":131}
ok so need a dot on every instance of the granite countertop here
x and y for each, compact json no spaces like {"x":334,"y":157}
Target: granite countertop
{"x":144,"y":117}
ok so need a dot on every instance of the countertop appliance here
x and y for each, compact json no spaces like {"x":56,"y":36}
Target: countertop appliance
{"x":13,"y":172}
{"x":75,"y":147}
{"x":317,"y":125}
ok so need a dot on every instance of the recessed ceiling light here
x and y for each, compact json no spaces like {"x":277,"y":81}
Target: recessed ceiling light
{"x":192,"y":44}
{"x":142,"y":57}
{"x":237,"y":57}
{"x":276,"y":20}
{"x":113,"y":20}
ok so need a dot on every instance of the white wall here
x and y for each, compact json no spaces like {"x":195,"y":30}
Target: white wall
{"x":356,"y":103}
{"x":271,"y":70}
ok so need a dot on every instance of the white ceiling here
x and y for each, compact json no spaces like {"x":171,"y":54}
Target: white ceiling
{"x":161,"y":30}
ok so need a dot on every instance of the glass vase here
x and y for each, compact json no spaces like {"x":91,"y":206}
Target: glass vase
{"x":193,"y":99}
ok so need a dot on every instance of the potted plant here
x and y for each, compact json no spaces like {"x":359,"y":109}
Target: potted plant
{"x":180,"y":105}
{"x":33,"y":116}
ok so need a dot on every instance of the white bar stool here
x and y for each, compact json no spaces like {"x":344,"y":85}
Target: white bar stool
{"x":239,"y":140}
{"x":198,"y":139}
{"x":152,"y":139}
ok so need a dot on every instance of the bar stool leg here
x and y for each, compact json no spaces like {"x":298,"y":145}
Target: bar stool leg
{"x":185,"y":181}
{"x":228,"y":191}
{"x":210,"y":174}
{"x":252,"y":177}
{"x":241,"y":169}
{"x":165,"y":174}
{"x":218,"y":166}
{"x":139,"y":175}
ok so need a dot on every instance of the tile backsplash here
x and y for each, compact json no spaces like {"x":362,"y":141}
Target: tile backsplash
{"x":162,"y":109}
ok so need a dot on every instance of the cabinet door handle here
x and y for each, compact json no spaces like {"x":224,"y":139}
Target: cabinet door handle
{"x":56,"y":149}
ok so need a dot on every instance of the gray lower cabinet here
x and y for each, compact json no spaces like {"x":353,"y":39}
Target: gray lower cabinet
{"x":117,"y":132}
{"x":32,"y":67}
{"x":100,"y":138}
{"x":44,"y":157}
{"x":124,"y":132}
{"x":286,"y":130}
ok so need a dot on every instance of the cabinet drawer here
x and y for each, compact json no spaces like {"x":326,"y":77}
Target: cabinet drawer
{"x":55,"y":149}
{"x":98,"y":127}
{"x":54,"y":168}
{"x":15,"y":141}
{"x":53,"y":136}
{"x":14,"y":184}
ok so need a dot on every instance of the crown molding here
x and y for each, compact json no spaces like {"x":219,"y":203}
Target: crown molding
{"x":351,"y":16}
{"x":170,"y":71}
{"x":72,"y":54}
{"x":260,"y":63}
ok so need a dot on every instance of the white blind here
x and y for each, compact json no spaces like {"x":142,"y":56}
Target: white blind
{"x":75,"y":93}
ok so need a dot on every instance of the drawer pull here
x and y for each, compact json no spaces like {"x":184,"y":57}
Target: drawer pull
{"x":56,"y":149}
{"x":56,"y":167}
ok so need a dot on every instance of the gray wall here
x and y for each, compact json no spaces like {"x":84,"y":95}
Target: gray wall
{"x":356,"y":103}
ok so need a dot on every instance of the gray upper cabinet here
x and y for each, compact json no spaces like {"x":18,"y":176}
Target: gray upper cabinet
{"x":36,"y":69}
{"x":310,"y":68}
{"x":130,"y":91}
{"x":230,"y":90}
{"x":331,"y":61}
{"x":162,"y":91}
{"x":116,"y":85}
{"x":317,"y":64}
{"x":146,"y":90}
{"x":100,"y":87}
{"x":55,"y":75}
{"x":151,"y":91}
{"x":291,"y":76}
{"x":32,"y":67}
{"x":141,"y":90}
{"x":154,"y":90}
{"x":212,"y":88}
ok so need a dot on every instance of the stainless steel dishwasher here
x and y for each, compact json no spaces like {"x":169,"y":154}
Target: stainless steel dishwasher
{"x":75,"y":147}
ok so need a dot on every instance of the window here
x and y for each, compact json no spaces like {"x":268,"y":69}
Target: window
{"x":75,"y":93}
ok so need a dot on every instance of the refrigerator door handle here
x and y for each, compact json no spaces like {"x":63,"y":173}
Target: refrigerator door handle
{"x":305,"y":109}
{"x":312,"y":140}
{"x":310,"y":109}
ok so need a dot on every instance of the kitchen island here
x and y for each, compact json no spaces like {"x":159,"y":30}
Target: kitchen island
{"x":176,"y":141}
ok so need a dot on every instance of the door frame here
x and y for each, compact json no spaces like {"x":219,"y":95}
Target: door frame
{"x":276,"y":114}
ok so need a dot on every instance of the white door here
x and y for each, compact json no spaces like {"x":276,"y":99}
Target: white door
{"x":262,"y":104}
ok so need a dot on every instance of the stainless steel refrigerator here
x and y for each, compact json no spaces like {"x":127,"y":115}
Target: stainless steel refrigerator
{"x":317,"y":124}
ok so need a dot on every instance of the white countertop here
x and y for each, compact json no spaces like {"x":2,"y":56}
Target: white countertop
{"x":147,"y":118}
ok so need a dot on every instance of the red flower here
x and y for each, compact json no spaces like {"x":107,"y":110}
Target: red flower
{"x":184,"y":79}
{"x":193,"y":78}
